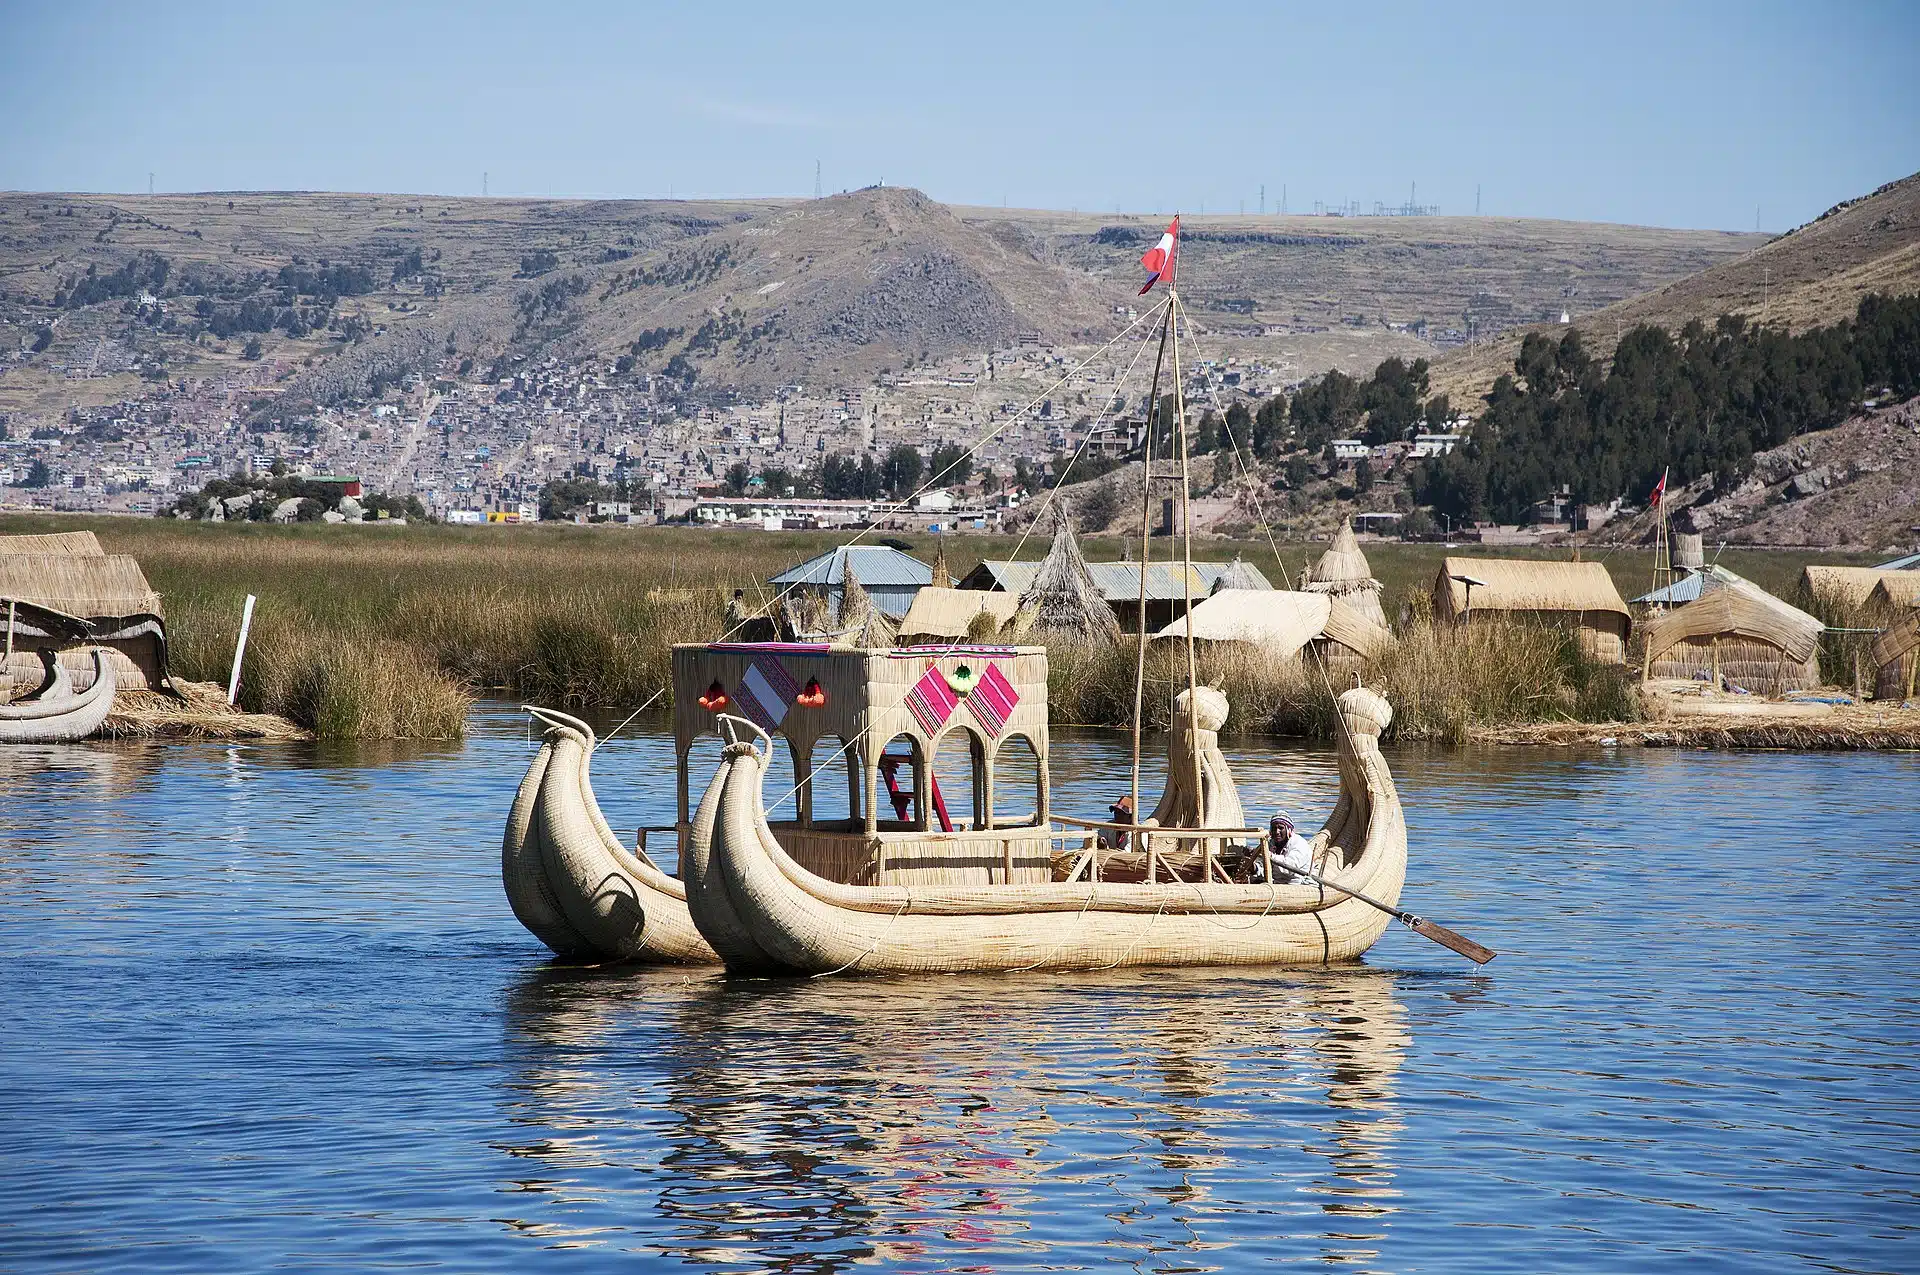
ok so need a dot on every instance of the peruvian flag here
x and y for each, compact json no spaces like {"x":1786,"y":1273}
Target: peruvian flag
{"x":1159,"y":258}
{"x":1659,"y":491}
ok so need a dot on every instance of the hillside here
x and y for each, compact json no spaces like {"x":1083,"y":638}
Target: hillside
{"x":747,"y":294}
{"x":1854,"y":487}
{"x":1452,"y":276}
{"x":1809,"y":276}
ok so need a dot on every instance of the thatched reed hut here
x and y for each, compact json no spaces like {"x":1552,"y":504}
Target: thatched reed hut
{"x":947,"y":614}
{"x":1895,"y":591}
{"x":1062,"y":598}
{"x":68,"y":573}
{"x":1283,"y":624}
{"x":1845,"y":586}
{"x":1577,"y":596}
{"x":1737,"y":631}
{"x":1896,"y":659}
{"x":1343,"y":572}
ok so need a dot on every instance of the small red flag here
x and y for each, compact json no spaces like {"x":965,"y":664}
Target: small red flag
{"x":1159,"y":258}
{"x":1659,"y":491}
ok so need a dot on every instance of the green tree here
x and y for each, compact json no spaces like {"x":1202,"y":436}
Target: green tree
{"x":1270,"y":426}
{"x":1392,"y":397}
{"x":950,"y":465}
{"x":1299,"y":471}
{"x":38,"y":475}
{"x":737,"y":476}
{"x":1363,"y":476}
{"x":1207,"y":437}
{"x":253,"y":350}
{"x":901,"y":470}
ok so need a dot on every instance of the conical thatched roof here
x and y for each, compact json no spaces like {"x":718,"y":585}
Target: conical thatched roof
{"x":1343,"y":572}
{"x":1063,"y":599}
{"x":862,"y":624}
{"x":942,"y":578}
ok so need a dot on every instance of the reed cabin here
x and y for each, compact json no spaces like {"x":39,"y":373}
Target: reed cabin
{"x":826,"y":704}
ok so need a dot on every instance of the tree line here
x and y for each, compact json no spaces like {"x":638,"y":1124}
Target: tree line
{"x":1702,"y":402}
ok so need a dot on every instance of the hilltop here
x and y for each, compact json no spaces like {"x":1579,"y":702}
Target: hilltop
{"x":736,"y":296}
{"x":1810,"y":276}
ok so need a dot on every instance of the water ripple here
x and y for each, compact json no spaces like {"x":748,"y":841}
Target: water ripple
{"x":269,"y":1009}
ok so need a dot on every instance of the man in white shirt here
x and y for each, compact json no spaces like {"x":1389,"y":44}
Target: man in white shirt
{"x":1292,"y":853}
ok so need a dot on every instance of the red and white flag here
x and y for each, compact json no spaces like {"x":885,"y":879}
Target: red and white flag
{"x":1659,"y":491}
{"x":1159,"y":258}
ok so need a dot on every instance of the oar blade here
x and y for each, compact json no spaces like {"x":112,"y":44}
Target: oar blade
{"x":1458,"y":942}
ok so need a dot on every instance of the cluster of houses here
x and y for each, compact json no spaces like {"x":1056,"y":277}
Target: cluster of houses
{"x":1707,"y":626}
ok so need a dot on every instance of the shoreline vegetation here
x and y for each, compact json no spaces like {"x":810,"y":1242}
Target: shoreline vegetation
{"x":389,"y":632}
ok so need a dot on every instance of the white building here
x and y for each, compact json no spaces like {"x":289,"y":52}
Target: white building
{"x":1425,"y":445}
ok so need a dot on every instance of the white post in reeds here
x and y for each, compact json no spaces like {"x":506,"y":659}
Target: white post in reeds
{"x":240,"y":649}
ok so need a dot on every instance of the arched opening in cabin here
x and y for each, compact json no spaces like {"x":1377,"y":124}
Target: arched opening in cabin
{"x":833,"y":785}
{"x":958,"y":793}
{"x":780,"y":789}
{"x":1016,"y":783}
{"x":900,"y":785}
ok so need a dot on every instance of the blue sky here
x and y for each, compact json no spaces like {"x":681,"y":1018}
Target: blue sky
{"x":1665,"y":114}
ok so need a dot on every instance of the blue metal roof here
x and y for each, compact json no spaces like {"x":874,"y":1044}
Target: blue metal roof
{"x":1909,"y":563}
{"x":875,"y":565}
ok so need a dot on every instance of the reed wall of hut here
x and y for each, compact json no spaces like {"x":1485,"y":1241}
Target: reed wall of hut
{"x":1896,"y":660}
{"x":1576,"y":596}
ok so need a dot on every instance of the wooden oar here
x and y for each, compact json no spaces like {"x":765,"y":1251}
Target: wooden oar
{"x":1418,"y":924}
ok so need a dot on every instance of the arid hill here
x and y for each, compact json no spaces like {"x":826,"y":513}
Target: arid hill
{"x":1810,"y":276}
{"x":742,"y":294}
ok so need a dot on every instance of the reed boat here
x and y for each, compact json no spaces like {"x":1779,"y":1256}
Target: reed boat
{"x":890,"y":876}
{"x":569,"y":879}
{"x":54,"y":713}
{"x":766,"y":912}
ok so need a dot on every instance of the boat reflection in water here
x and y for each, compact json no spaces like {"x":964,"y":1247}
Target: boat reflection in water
{"x":811,"y":1126}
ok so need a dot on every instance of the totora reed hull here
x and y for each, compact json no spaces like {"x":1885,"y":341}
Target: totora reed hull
{"x":764,"y":913}
{"x":568,"y":878}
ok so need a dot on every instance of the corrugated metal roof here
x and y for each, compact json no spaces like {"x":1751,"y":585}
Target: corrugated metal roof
{"x":1687,"y":588}
{"x":1909,"y":563}
{"x":1119,"y":581}
{"x":873,"y":564}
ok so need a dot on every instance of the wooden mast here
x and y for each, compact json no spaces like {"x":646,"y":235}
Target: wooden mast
{"x":1186,"y":553}
{"x":1146,"y":531}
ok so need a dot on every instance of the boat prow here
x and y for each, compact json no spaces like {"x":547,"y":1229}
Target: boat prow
{"x":780,"y":917}
{"x":568,"y":878}
{"x":58,"y":714}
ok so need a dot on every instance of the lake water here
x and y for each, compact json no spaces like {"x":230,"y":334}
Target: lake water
{"x":266,"y":1008}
